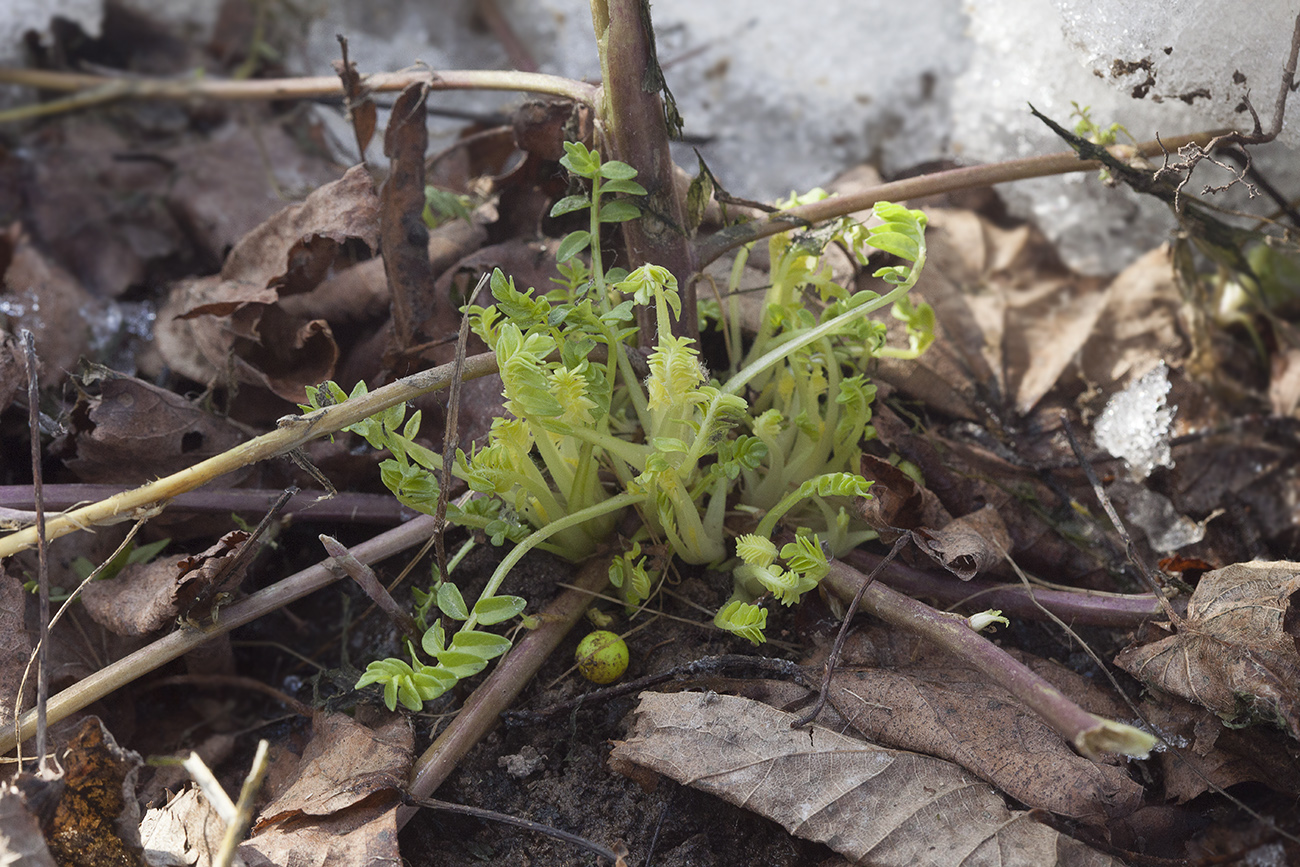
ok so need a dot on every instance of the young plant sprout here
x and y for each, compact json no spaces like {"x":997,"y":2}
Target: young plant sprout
{"x":586,"y":440}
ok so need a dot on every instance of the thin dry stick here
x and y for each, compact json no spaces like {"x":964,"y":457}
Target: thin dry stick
{"x":42,"y":552}
{"x":293,"y":432}
{"x":98,"y":89}
{"x":373,"y":587}
{"x":950,"y":181}
{"x":828,"y":670}
{"x":1175,"y":619}
{"x":182,"y":641}
{"x":527,"y":824}
{"x":451,"y":437}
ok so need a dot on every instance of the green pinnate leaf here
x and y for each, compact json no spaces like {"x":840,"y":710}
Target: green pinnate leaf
{"x":743,"y":619}
{"x":573,"y":244}
{"x":617,"y":171}
{"x":569,"y":204}
{"x":618,"y":211}
{"x":498,"y":609}
{"x":451,"y":603}
{"x":632,"y":188}
{"x":579,"y":160}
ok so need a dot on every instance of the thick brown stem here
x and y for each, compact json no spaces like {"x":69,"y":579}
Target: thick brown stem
{"x":634,"y":125}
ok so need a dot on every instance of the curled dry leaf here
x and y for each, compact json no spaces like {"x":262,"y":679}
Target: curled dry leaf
{"x":146,"y":597}
{"x":339,"y":808}
{"x":232,"y":322}
{"x":123,"y":430}
{"x":870,"y":804}
{"x":904,"y":693}
{"x":1236,"y":652}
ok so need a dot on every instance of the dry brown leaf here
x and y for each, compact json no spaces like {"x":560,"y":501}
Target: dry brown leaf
{"x":186,"y":832}
{"x":911,"y":696}
{"x":1205,"y":752}
{"x":968,"y":545}
{"x":145,"y":597}
{"x":15,"y":645}
{"x":405,"y":237}
{"x":873,"y":805}
{"x":48,"y":301}
{"x":1236,"y":653}
{"x":339,"y":810}
{"x":13,"y":370}
{"x":124,"y":430}
{"x":213,"y":325}
{"x":21,"y":840}
{"x":98,"y":818}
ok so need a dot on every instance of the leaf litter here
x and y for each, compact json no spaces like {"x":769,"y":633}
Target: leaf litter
{"x":299,"y":297}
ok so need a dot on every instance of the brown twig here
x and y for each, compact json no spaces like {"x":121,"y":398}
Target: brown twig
{"x":42,"y":550}
{"x":373,"y":587}
{"x":937,"y":183}
{"x":1090,"y":735}
{"x":178,"y":643}
{"x":100,"y":88}
{"x":828,"y":670}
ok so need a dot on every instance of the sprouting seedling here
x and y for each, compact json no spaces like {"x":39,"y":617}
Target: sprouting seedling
{"x":586,"y":440}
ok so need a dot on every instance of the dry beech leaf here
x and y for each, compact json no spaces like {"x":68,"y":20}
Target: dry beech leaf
{"x":910,"y":695}
{"x":212,"y":325}
{"x":1236,"y":653}
{"x":968,"y":545}
{"x":1206,"y":752}
{"x":405,"y":238}
{"x":48,"y":301}
{"x":340,"y":808}
{"x":186,"y":832}
{"x":145,"y":597}
{"x":15,"y":645}
{"x":873,"y":805}
{"x":125,"y":430}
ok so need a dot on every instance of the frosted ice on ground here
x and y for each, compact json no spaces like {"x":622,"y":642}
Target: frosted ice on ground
{"x":1135,"y":424}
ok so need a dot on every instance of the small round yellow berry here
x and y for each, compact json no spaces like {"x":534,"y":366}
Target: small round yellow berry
{"x":602,"y":657}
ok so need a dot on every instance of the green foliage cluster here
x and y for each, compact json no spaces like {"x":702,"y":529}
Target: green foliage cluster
{"x":586,"y":438}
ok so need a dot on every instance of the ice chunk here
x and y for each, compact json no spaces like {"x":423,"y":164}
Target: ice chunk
{"x":1135,"y":424}
{"x":1155,"y":515}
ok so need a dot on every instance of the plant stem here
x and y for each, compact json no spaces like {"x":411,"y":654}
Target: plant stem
{"x":98,"y":89}
{"x":370,"y":583}
{"x":293,"y":432}
{"x":1080,"y":608}
{"x":634,"y":124}
{"x":934,"y":184}
{"x":576,"y":519}
{"x":1089,"y":734}
{"x":182,"y":641}
{"x":511,"y":675}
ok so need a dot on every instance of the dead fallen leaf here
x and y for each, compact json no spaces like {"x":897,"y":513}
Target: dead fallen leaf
{"x":124,"y":430}
{"x":1204,"y":752}
{"x":232,"y":323}
{"x":902,"y":692}
{"x":146,"y":597}
{"x":15,"y":645}
{"x":21,"y":840}
{"x":13,"y":370}
{"x":871,"y":804}
{"x":340,"y":809}
{"x":968,"y":545}
{"x":98,"y":818}
{"x":405,"y":238}
{"x":186,"y":832}
{"x":1236,"y":653}
{"x":45,"y":299}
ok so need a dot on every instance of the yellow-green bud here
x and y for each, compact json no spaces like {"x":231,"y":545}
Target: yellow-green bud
{"x":602,"y":657}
